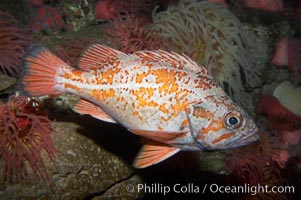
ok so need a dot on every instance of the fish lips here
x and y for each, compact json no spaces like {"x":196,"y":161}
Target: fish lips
{"x":250,"y":137}
{"x":247,"y":138}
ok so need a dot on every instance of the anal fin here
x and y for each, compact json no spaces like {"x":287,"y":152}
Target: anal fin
{"x":152,"y":154}
{"x":161,"y":136}
{"x":86,"y":107}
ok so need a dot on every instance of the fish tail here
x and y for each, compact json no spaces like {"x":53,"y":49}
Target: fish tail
{"x":39,"y":71}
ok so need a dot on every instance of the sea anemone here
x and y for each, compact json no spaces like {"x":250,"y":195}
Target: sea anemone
{"x":247,"y":168}
{"x":211,"y":35}
{"x":14,"y":41}
{"x":24,"y":136}
{"x":71,"y":49}
{"x":130,"y":33}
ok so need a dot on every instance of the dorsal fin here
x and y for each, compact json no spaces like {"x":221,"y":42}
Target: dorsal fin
{"x":174,"y":59}
{"x":98,"y":56}
{"x":152,"y":154}
{"x":86,"y":107}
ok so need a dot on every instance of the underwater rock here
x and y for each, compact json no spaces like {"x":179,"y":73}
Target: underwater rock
{"x":289,"y":96}
{"x":62,"y":102}
{"x":6,"y":82}
{"x":82,"y":170}
{"x":260,"y":58}
{"x":119,"y":191}
{"x":78,"y":13}
{"x":213,"y":162}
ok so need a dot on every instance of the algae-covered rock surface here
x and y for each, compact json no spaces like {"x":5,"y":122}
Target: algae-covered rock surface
{"x":80,"y":170}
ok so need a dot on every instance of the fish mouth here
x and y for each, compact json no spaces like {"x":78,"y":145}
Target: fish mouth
{"x":250,"y":137}
{"x":247,"y":139}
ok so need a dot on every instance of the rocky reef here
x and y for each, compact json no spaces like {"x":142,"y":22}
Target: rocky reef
{"x":81,"y":169}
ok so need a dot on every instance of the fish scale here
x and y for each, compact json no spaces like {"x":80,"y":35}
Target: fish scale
{"x":164,"y":97}
{"x":152,"y":92}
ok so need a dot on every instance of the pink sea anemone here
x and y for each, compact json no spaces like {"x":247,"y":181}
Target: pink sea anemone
{"x":247,"y":168}
{"x":71,"y":49}
{"x":259,"y":163}
{"x":130,"y":34}
{"x":244,"y":162}
{"x":14,"y":41}
{"x":288,"y":53}
{"x":24,"y":136}
{"x":281,"y":158}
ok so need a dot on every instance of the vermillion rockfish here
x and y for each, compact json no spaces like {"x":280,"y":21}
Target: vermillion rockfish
{"x":164,"y":97}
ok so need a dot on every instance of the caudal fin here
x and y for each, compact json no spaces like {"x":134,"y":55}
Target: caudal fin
{"x":40,"y":67}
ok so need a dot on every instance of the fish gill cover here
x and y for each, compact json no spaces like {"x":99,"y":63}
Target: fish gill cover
{"x":214,"y":37}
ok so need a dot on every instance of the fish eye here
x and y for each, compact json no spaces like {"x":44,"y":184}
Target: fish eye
{"x":233,"y":120}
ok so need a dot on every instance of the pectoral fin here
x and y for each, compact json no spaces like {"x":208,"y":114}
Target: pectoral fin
{"x":153,"y":154}
{"x":160,"y":136}
{"x":86,"y":107}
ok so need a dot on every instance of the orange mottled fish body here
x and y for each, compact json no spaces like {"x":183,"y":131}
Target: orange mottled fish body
{"x":162,"y":96}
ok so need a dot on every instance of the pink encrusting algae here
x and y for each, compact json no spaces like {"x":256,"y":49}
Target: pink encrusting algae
{"x":24,"y":136}
{"x":279,"y":117}
{"x":265,"y":5}
{"x":47,"y":18}
{"x":107,"y":9}
{"x":110,"y":9}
